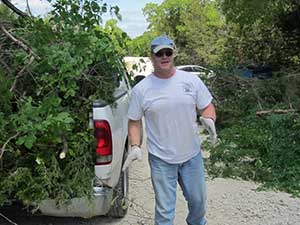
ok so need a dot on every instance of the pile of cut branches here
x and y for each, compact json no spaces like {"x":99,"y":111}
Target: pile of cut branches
{"x":51,"y":70}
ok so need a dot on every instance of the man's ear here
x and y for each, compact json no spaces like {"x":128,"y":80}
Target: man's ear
{"x":175,"y":53}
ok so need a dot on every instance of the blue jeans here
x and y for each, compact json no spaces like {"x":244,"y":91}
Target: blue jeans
{"x":191,"y":178}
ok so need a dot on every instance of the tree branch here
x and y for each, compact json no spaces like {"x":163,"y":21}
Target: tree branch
{"x":13,"y":87}
{"x":28,"y":8}
{"x":8,"y":140}
{"x":5,"y":65}
{"x":278,"y":111}
{"x":26,"y":49}
{"x":65,"y":150}
{"x":14,"y":8}
{"x":10,"y":221}
{"x":18,"y":42}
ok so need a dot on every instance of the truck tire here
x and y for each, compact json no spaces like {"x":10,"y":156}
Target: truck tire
{"x":120,"y":194}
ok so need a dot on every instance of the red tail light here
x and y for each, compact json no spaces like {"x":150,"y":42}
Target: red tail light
{"x":104,"y":142}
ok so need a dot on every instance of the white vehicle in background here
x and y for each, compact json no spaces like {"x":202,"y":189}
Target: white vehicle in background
{"x":138,"y":67}
{"x":200,"y":71}
{"x":110,"y":185}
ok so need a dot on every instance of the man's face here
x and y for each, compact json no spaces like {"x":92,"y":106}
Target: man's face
{"x":163,"y":60}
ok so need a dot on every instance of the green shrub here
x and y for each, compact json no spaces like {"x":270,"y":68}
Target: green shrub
{"x":263,"y":148}
{"x":46,"y":94}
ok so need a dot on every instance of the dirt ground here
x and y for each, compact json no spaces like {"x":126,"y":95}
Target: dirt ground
{"x":229,"y":202}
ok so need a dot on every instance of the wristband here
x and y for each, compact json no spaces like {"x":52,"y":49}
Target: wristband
{"x":135,"y":145}
{"x":213,"y":119}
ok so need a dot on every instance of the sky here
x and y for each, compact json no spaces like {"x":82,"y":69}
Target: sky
{"x":133,"y":21}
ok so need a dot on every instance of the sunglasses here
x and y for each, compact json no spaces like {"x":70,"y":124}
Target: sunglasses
{"x":161,"y":53}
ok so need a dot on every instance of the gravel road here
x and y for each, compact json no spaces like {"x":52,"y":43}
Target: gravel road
{"x":229,"y":202}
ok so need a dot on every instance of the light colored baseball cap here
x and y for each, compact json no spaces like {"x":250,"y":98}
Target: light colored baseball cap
{"x":162,"y":42}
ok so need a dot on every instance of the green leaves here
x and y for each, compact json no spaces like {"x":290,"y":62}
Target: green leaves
{"x":263,"y":31}
{"x":80,"y":14}
{"x":27,"y":140}
{"x":64,"y":117}
{"x":32,"y":122}
{"x":197,"y":28}
{"x":49,"y":107}
{"x":262,"y":148}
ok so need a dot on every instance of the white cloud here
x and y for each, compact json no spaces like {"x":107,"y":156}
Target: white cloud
{"x":133,"y":23}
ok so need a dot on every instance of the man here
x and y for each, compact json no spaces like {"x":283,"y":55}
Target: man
{"x":168,"y":99}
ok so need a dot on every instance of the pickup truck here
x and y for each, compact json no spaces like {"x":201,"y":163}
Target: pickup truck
{"x":110,"y":185}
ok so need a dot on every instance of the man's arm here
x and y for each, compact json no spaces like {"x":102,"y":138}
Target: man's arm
{"x":209,"y":112}
{"x":134,"y":133}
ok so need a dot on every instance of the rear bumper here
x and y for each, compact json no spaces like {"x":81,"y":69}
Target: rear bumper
{"x":80,"y":207}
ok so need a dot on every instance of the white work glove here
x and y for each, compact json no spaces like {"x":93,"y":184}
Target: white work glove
{"x":135,"y":153}
{"x":209,"y":125}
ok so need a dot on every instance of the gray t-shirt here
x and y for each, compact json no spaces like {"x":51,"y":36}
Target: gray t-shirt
{"x":169,"y":107}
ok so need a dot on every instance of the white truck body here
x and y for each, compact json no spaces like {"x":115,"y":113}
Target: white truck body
{"x":110,"y":184}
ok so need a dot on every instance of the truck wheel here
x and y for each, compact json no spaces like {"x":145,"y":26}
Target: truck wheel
{"x":120,"y":194}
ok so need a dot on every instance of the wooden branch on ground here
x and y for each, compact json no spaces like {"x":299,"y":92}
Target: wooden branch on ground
{"x":278,"y":111}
